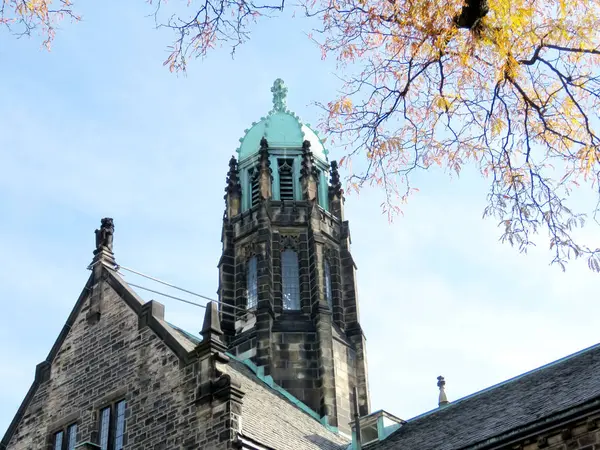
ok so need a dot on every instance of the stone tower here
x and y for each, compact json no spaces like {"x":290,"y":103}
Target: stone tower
{"x":286,"y":276}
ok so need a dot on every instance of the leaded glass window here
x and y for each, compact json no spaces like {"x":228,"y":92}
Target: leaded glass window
{"x":252,"y":283}
{"x":286,"y":179}
{"x":290,"y":280}
{"x":112,"y":426}
{"x":71,"y":436}
{"x":58,"y":440}
{"x":104,"y":428}
{"x":120,"y":425}
{"x":328,"y":293}
{"x":65,"y":439}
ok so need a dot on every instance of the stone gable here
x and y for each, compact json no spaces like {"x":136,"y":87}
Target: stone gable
{"x":113,"y":358}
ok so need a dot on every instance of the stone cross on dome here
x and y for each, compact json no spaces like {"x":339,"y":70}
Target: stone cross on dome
{"x":279,"y":94}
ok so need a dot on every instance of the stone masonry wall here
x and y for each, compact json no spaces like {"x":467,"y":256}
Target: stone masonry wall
{"x":113,"y":360}
{"x":345,"y":377}
{"x":581,"y":435}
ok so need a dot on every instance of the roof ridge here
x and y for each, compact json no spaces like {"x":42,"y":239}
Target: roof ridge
{"x":508,"y":381}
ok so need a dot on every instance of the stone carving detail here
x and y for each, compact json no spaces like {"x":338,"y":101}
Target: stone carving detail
{"x":251,"y":249}
{"x":104,"y":236}
{"x":330,"y":254}
{"x":290,"y":242}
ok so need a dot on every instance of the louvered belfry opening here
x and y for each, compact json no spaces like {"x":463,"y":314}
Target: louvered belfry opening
{"x":255,"y":186}
{"x":286,"y":179}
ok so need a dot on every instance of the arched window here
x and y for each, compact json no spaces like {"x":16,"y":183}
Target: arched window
{"x":290,"y":288}
{"x":252,"y":283}
{"x":328,"y":293}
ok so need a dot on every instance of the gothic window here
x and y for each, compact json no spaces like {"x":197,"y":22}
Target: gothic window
{"x":328,"y":293}
{"x":290,"y":280}
{"x":65,"y":439}
{"x":112,"y":426}
{"x":286,"y":179}
{"x":252,"y":283}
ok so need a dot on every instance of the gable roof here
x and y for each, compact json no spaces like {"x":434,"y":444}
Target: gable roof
{"x":549,"y":394}
{"x":269,"y":418}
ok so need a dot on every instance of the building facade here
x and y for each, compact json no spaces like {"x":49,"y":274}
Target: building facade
{"x":280,"y":362}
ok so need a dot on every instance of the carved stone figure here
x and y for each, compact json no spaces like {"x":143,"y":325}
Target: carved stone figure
{"x":104,"y":236}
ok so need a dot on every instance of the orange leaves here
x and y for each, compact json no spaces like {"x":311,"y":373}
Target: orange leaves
{"x":25,"y":16}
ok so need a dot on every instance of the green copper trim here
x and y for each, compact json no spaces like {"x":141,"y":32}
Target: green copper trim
{"x":268,"y":380}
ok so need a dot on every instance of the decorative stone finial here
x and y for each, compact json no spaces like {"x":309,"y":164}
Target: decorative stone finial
{"x":443,"y":400}
{"x":336,"y":184}
{"x":233,"y":180}
{"x":264,"y":144}
{"x":104,"y":236}
{"x":233,"y":190}
{"x":279,"y":95}
{"x":308,"y":174}
{"x":211,"y":328}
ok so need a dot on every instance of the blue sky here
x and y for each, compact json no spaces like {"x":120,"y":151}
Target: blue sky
{"x":98,"y":127}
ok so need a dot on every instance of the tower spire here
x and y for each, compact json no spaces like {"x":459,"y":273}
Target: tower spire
{"x":265,"y":177}
{"x":233,"y":190}
{"x":308,"y":174}
{"x":336,"y":194}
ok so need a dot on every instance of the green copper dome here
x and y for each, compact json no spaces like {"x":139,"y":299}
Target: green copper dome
{"x":282,"y":128}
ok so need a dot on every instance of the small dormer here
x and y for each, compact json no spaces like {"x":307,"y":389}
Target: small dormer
{"x":374,"y":428}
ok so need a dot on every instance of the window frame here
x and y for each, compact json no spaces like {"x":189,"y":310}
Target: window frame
{"x":252,"y":260}
{"x":113,"y":424}
{"x":298,"y":300}
{"x":327,"y":281}
{"x":65,"y":432}
{"x":281,"y":167}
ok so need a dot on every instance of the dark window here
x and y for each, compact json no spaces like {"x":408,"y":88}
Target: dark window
{"x":65,"y":439}
{"x":328,"y":293}
{"x":252,"y":283}
{"x":286,"y":179}
{"x":112,"y":426}
{"x":290,"y":284}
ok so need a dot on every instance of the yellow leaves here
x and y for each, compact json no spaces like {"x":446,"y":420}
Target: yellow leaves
{"x":441,"y":103}
{"x":588,"y":158}
{"x":342,"y":106}
{"x":498,"y":125}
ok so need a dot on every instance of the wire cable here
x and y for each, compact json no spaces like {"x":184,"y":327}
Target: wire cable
{"x":180,"y":289}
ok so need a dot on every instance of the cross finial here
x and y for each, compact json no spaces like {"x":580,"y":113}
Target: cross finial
{"x":279,"y":94}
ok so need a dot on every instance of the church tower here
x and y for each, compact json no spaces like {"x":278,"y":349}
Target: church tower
{"x":286,"y":276}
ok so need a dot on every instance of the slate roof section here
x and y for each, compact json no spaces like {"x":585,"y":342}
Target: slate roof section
{"x":272,"y":420}
{"x":549,"y":391}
